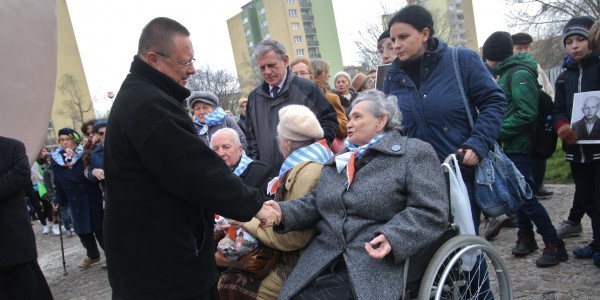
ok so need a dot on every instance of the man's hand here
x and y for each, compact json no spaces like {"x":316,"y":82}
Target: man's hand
{"x":567,"y":135}
{"x":269,"y":214}
{"x":470,"y":158}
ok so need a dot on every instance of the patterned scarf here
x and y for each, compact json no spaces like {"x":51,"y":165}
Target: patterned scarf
{"x":67,"y":158}
{"x":347,"y":159}
{"x":214,"y":118}
{"x":317,"y":152}
{"x":243,"y":165}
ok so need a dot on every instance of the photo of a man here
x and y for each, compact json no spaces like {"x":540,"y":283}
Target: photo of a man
{"x":588,"y":127}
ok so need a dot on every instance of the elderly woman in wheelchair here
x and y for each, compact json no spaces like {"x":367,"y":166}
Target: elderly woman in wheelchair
{"x":381,"y":201}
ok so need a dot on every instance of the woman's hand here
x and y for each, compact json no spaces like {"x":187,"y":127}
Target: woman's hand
{"x":378,"y":247}
{"x":470,"y":158}
{"x":269,"y":214}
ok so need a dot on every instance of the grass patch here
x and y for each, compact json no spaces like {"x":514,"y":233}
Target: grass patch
{"x":557,"y":169}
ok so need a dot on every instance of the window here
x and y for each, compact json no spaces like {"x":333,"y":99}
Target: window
{"x":291,"y":1}
{"x":267,"y":36}
{"x":293,"y":12}
{"x":261,"y":11}
{"x":250,"y":44}
{"x":263,"y":23}
{"x":248,"y":32}
{"x":295,"y":26}
{"x":245,"y":20}
{"x":299,"y":52}
{"x":297,"y":39}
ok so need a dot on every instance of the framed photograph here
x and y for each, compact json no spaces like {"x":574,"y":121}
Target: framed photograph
{"x":381,"y":71}
{"x":584,"y":118}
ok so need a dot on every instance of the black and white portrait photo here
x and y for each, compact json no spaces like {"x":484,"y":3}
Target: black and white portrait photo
{"x":584,"y":120}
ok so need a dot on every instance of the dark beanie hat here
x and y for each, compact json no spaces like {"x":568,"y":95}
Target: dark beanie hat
{"x":385,"y":34}
{"x":577,"y":25}
{"x":521,"y":38}
{"x":71,"y":133}
{"x":415,"y":15}
{"x":100,"y":124}
{"x":498,"y":46}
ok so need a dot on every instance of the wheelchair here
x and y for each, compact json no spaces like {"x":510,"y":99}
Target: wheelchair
{"x":457,"y":267}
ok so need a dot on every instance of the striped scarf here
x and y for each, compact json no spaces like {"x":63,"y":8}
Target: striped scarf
{"x":68,"y":158}
{"x":347,"y":159}
{"x":243,"y":165}
{"x":214,"y":118}
{"x":317,"y":152}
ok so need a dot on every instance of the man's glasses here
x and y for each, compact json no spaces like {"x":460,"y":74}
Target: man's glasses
{"x":186,"y":65}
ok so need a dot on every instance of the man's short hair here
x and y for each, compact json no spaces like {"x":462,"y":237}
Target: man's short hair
{"x":236,"y":136}
{"x":267,"y":45}
{"x":157,"y":35}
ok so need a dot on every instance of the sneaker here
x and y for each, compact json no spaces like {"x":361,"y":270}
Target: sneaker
{"x":584,"y":252}
{"x":55,"y":229}
{"x":566,"y":229}
{"x":525,"y":244}
{"x":494,"y":226}
{"x":103,"y":265}
{"x":553,"y":254}
{"x":543,"y":193}
{"x":597,"y":259}
{"x":87,"y":262}
{"x":45,"y":229}
{"x":69,"y":233}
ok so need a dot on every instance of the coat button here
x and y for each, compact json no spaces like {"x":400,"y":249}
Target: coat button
{"x":403,"y":80}
{"x":396,"y":148}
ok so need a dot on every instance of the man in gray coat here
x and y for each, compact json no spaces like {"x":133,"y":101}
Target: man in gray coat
{"x":278,"y":89}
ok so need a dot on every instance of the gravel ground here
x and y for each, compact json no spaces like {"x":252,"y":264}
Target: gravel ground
{"x":573,"y":279}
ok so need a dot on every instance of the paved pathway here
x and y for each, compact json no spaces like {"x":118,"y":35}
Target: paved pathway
{"x":574,"y":279}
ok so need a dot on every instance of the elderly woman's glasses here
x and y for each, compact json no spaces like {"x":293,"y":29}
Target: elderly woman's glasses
{"x":186,"y":65}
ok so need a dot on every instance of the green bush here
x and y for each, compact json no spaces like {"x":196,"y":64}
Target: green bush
{"x":557,"y":169}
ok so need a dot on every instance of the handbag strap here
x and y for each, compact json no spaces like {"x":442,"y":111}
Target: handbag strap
{"x":460,"y":84}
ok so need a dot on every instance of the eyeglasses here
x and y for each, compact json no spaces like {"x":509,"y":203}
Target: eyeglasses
{"x":186,"y":65}
{"x":388,"y":50}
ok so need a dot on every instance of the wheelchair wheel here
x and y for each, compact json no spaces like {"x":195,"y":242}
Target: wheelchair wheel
{"x":466,"y":267}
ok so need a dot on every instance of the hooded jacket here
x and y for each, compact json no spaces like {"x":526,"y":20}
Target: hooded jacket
{"x":435,"y":112}
{"x":516,"y":135}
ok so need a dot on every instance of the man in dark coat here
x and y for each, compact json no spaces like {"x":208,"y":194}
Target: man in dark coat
{"x":588,"y":128}
{"x":83,"y":197}
{"x":163,"y":184}
{"x":95,"y":171}
{"x":20,"y":274}
{"x":280,"y":88}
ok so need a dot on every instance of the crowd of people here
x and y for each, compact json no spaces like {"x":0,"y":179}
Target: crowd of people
{"x":332,"y":181}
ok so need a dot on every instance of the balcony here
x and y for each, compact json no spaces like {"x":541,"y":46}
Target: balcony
{"x":308,"y":17}
{"x":305,"y":4}
{"x":312,"y":43}
{"x":310,"y":30}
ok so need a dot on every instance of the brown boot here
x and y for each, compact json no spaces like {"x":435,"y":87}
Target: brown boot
{"x":553,"y":253}
{"x":87,"y":262}
{"x":525,"y":243}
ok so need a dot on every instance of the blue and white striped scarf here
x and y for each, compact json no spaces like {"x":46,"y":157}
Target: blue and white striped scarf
{"x":342,"y":160}
{"x":214,"y":118}
{"x":243,"y":165}
{"x":63,"y":161}
{"x":317,"y":152}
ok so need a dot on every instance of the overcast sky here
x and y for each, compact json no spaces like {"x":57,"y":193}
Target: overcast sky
{"x":107,"y":31}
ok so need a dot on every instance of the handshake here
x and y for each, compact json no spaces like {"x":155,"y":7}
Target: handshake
{"x":270,"y":214}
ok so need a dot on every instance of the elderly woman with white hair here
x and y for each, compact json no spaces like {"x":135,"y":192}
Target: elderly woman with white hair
{"x":208,"y":117}
{"x":379,"y":202}
{"x":301,"y":143}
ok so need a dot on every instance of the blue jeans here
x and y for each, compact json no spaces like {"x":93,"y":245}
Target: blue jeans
{"x":65,"y":217}
{"x":532,"y":211}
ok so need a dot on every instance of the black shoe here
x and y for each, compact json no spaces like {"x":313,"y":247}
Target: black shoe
{"x":511,"y":222}
{"x":543,"y":193}
{"x":525,"y":243}
{"x":553,"y":254}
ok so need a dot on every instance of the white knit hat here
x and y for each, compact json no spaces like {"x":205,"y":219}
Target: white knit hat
{"x":298,"y":123}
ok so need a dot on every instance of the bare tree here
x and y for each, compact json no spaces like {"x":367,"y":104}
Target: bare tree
{"x":74,"y":105}
{"x":222,"y":83}
{"x":544,"y":20}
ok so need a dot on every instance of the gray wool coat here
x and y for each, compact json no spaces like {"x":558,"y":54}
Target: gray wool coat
{"x":399,"y":192}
